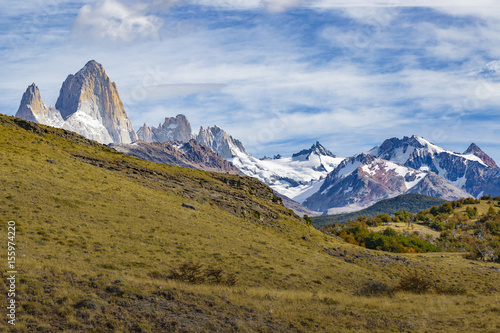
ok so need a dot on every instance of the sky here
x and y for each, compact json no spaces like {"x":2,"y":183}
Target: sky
{"x":278,"y":75}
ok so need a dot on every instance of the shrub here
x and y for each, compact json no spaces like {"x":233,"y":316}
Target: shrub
{"x":195,"y":274}
{"x":389,"y":232}
{"x":214,"y":275}
{"x":188,"y":272}
{"x":471,"y":256}
{"x":375,"y":288}
{"x":416,"y":283}
{"x":231,"y":279}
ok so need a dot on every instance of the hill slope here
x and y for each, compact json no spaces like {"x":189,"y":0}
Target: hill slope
{"x":412,"y":203}
{"x":99,"y":234}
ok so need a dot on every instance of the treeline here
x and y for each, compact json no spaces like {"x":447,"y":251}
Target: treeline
{"x":460,"y":230}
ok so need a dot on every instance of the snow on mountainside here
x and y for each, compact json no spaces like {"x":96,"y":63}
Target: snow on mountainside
{"x":473,"y":171}
{"x":88,"y":104}
{"x":296,"y":177}
{"x":362,"y":180}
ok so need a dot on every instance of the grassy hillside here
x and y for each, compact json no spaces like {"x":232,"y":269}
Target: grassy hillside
{"x":410,"y":202}
{"x":100,"y":234}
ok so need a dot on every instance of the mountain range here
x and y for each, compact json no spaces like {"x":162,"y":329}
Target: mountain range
{"x":89,"y":104}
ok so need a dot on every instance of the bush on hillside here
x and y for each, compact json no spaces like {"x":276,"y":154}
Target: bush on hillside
{"x":375,"y":288}
{"x":195,"y":274}
{"x":416,"y":283}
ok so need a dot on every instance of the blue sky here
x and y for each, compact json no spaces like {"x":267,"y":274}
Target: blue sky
{"x":276,"y":74}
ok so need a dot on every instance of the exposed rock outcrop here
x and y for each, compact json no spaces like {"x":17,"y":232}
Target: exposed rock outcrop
{"x":189,"y":154}
{"x":173,"y":129}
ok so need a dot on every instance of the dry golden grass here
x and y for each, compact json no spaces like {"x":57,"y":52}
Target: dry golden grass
{"x":111,"y":236}
{"x":402,"y":227}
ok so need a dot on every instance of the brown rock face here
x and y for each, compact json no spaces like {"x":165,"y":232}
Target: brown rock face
{"x":189,"y":154}
{"x":476,"y":151}
{"x":91,"y":93}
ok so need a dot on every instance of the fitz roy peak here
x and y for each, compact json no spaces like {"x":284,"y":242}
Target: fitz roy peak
{"x":88,"y":104}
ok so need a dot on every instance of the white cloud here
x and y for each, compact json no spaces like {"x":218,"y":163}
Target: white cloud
{"x":113,"y":21}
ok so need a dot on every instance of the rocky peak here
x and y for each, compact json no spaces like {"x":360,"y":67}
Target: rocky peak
{"x":362,"y":158}
{"x":145,"y":134}
{"x":220,"y":141}
{"x":93,"y":69}
{"x":317,"y":149}
{"x":32,"y":108}
{"x":476,"y":151}
{"x":89,"y":98}
{"x":173,"y":129}
{"x":32,"y":93}
{"x":388,"y":147}
{"x":31,"y":104}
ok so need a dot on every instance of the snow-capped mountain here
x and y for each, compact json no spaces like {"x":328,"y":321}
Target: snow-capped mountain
{"x":88,"y":104}
{"x":362,"y":180}
{"x":178,"y":128}
{"x":473,"y":171}
{"x":296,"y":177}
